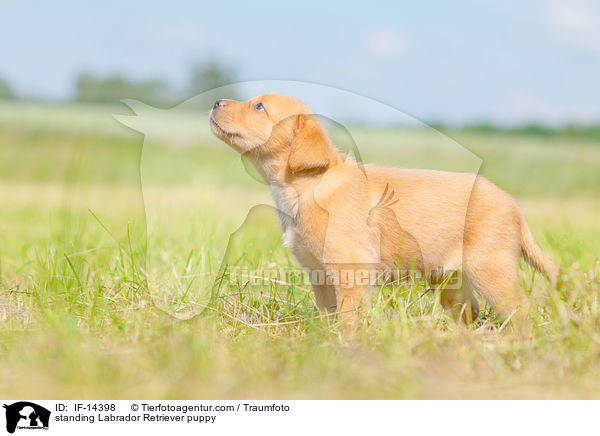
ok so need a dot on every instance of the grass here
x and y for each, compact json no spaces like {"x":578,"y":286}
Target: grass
{"x":99,"y":264}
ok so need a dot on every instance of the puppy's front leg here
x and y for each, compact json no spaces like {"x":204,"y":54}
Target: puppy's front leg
{"x":325,"y":297}
{"x":352,"y":282}
{"x":351,"y":302}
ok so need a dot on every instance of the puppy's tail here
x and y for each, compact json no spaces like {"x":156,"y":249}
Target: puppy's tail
{"x":536,"y":257}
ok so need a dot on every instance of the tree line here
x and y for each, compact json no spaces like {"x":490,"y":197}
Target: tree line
{"x":111,"y":88}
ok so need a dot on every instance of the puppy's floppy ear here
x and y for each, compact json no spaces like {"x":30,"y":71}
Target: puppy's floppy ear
{"x":310,"y":148}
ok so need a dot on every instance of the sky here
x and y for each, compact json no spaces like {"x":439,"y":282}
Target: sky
{"x":453,"y":62}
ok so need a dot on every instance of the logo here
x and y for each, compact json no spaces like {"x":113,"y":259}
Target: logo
{"x":26,"y":415}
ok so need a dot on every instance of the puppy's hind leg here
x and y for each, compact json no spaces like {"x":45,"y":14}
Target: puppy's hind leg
{"x":456,"y":295}
{"x":497,"y":280}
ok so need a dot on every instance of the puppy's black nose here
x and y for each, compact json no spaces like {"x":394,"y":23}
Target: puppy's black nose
{"x":219,"y":103}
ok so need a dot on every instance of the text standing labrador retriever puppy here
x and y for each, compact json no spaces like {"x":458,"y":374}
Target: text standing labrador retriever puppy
{"x":349,"y":221}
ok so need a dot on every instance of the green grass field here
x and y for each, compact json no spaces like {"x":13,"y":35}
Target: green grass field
{"x":95,"y":259}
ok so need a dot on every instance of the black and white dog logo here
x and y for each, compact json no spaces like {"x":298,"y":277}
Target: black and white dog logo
{"x":26,"y":415}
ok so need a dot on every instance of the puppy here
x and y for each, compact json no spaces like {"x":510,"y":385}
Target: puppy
{"x":348,"y":223}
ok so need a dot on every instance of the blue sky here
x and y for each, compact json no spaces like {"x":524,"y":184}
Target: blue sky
{"x":506,"y":62}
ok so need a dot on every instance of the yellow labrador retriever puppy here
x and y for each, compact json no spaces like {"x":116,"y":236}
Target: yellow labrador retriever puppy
{"x":350,"y":223}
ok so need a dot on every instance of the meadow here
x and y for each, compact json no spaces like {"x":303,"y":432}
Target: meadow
{"x":110,"y":242}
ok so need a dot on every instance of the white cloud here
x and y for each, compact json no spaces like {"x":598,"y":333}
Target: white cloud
{"x":522,"y":106}
{"x":575,"y":23}
{"x":386,"y":43}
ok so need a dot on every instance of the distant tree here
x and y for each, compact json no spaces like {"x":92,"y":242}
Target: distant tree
{"x":5,"y":90}
{"x":211,"y":74}
{"x":482,"y":127}
{"x":536,"y":129}
{"x":113,"y":88}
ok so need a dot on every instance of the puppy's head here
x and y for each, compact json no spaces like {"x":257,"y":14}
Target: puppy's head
{"x":275,"y":131}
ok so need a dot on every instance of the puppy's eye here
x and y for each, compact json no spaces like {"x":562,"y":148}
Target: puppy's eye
{"x":260,"y":107}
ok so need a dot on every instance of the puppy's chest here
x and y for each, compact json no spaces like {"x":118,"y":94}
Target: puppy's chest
{"x":288,"y":202}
